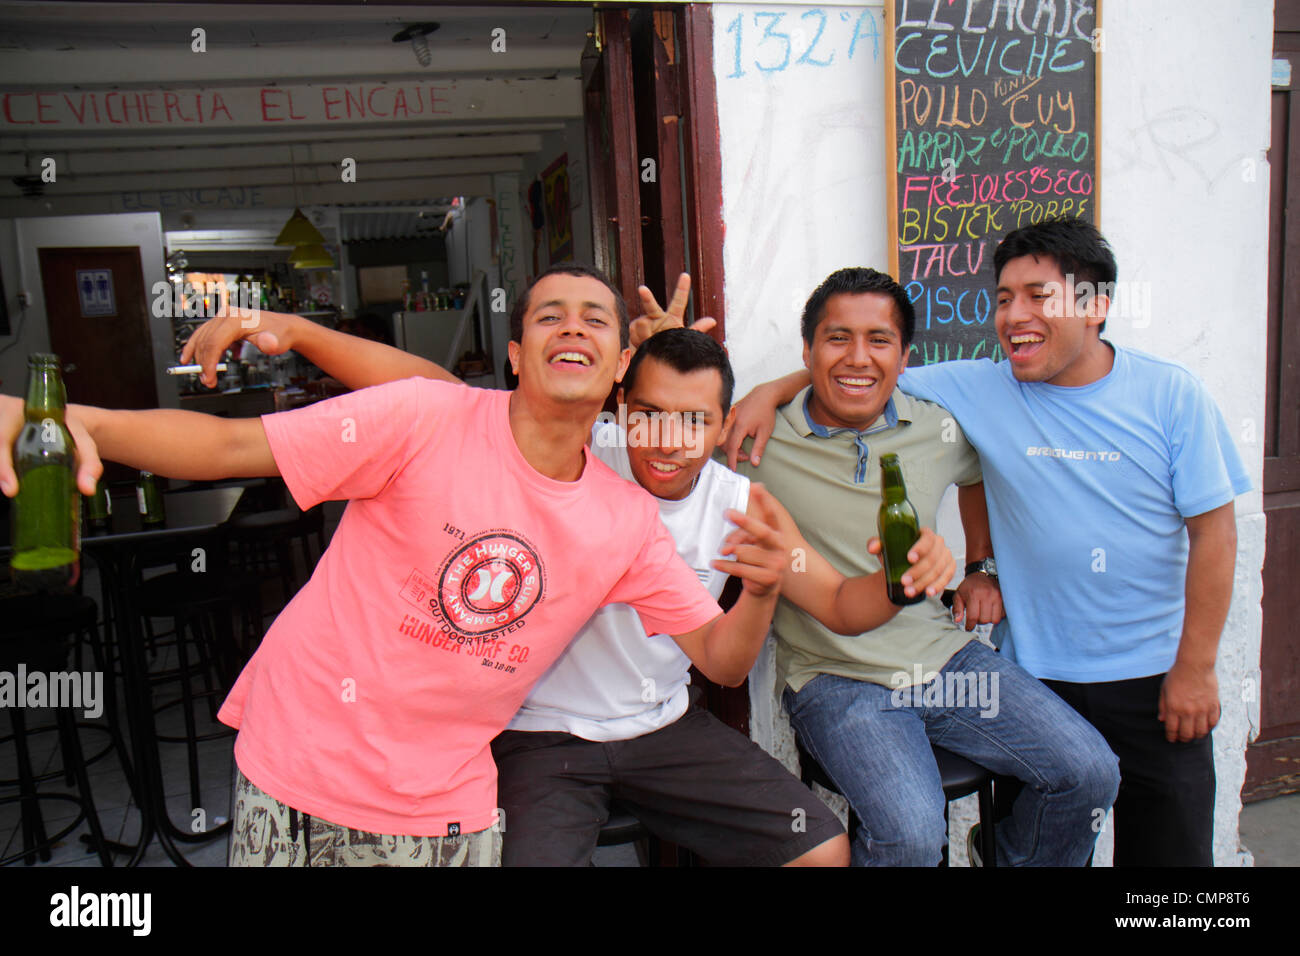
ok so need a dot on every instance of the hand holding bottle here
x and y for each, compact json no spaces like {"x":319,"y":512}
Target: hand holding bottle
{"x":930,"y":565}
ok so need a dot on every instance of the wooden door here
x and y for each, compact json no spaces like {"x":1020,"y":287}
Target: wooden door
{"x":97,"y":309}
{"x":1273,"y":761}
{"x":651,"y":117}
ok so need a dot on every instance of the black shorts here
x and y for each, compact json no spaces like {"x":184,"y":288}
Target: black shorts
{"x":697,"y":783}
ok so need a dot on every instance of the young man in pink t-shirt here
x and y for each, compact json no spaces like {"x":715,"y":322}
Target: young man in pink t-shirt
{"x":478,"y":538}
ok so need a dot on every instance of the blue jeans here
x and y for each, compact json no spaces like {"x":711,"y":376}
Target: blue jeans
{"x":875,"y":742}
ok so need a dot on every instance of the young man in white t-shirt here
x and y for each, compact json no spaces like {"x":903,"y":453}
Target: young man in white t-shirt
{"x":613,"y":718}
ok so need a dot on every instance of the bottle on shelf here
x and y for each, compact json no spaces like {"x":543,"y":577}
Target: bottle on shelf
{"x":425,"y":302}
{"x":98,"y":508}
{"x":149,"y":499}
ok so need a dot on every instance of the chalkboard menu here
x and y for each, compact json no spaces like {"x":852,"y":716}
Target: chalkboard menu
{"x":993,"y":126}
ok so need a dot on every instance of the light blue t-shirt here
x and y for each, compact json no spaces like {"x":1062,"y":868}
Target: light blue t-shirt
{"x":1087,"y":490}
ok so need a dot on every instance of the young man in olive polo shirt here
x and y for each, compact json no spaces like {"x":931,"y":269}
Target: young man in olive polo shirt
{"x":869,"y":708}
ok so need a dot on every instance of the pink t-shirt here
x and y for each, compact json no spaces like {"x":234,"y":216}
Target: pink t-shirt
{"x":456,"y":577}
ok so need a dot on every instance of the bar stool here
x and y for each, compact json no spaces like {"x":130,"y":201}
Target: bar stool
{"x":200,"y":607}
{"x":263,"y":540}
{"x":622,"y":827}
{"x":40,"y":632}
{"x":958,"y":776}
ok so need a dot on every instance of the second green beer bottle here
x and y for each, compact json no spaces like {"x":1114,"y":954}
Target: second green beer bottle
{"x":149,"y":499}
{"x":98,"y":508}
{"x":898,"y":528}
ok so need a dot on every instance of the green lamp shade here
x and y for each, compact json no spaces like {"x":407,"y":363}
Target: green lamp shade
{"x":299,"y":231}
{"x":311,"y":256}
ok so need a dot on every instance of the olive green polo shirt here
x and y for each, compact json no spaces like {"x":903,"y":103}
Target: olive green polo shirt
{"x":829,"y":480}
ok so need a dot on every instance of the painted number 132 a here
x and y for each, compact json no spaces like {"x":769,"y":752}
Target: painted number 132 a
{"x":775,"y":46}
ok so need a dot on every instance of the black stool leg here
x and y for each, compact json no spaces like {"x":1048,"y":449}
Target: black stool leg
{"x":30,"y":810}
{"x":943,"y":852}
{"x":988,"y":837}
{"x":69,"y":777}
{"x":101,"y":656}
{"x":202,"y":630}
{"x":187,"y":698}
{"x":68,"y":730}
{"x":225,"y":651}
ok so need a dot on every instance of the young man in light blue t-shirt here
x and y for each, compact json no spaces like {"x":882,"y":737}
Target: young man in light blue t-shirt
{"x":1110,"y":478}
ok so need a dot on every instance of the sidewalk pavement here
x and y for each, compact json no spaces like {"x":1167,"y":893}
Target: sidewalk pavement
{"x":1270,"y":829}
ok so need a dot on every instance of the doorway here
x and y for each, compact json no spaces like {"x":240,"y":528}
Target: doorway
{"x":1273,"y":760}
{"x":95,"y":303}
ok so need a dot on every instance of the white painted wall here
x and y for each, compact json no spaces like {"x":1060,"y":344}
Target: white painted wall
{"x":19,"y":241}
{"x":1184,"y":189}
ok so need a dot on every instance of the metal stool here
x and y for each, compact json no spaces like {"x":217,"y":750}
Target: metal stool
{"x":39,"y":633}
{"x":263,"y":539}
{"x":958,"y":776}
{"x":200,"y":606}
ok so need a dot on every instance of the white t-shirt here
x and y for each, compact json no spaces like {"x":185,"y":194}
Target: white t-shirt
{"x":615,"y":682}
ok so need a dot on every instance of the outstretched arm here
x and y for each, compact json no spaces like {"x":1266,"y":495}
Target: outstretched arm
{"x":354,"y":361}
{"x":162,"y":440}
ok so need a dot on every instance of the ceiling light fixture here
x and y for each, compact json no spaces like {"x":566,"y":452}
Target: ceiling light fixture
{"x":299,"y":231}
{"x":418,"y":34}
{"x":311,"y":256}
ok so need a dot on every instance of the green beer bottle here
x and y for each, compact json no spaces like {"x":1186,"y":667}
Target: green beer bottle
{"x":898,"y":529}
{"x":149,"y":499}
{"x":46,"y":526}
{"x":98,"y":507}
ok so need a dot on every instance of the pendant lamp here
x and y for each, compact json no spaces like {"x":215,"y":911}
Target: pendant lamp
{"x":311,"y":255}
{"x":299,"y":231}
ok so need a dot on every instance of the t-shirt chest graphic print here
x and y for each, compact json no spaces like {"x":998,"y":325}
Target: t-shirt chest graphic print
{"x":482,"y":593}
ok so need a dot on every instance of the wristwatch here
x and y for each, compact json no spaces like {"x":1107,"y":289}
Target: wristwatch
{"x":985,"y":566}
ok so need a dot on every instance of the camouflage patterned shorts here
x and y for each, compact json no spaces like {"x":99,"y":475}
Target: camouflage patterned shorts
{"x":265,"y":832}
